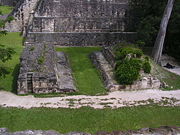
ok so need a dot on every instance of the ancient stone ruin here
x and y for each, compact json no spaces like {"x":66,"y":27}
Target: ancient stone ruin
{"x":9,"y":2}
{"x":105,"y":62}
{"x":44,"y":71}
{"x":72,"y":22}
{"x":47,"y":23}
{"x":79,"y":22}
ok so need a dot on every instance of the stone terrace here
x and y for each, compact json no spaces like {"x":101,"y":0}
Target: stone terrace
{"x":80,"y":22}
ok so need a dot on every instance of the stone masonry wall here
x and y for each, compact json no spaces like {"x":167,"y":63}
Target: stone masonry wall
{"x":80,"y":22}
{"x":9,"y":2}
{"x":80,"y":39}
{"x":81,"y":16}
{"x":21,"y":13}
{"x":37,"y":67}
{"x":43,"y":70}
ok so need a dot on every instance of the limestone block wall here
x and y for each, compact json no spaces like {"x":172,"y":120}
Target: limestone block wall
{"x":109,"y":56}
{"x":9,"y":2}
{"x":42,"y":70}
{"x":80,"y":22}
{"x":37,"y":69}
{"x":81,"y":38}
{"x":76,"y":24}
{"x":80,"y":16}
{"x":21,"y":14}
{"x":82,"y":8}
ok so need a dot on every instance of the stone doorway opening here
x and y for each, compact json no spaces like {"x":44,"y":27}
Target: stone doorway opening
{"x":30,"y":82}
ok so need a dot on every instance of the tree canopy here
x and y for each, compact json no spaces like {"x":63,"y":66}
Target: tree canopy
{"x":5,"y":53}
{"x":145,"y":18}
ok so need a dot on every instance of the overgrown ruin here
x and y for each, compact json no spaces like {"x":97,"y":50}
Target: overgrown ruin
{"x":44,"y":71}
{"x":47,"y":23}
{"x":105,"y":62}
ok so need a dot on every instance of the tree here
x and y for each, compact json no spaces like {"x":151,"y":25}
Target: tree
{"x":158,"y":46}
{"x":5,"y":53}
{"x":145,"y":18}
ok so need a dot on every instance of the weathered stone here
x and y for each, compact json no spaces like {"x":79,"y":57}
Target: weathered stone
{"x":9,"y":2}
{"x":3,"y":130}
{"x":22,"y":14}
{"x":147,"y":81}
{"x":64,"y":74}
{"x":165,"y":130}
{"x":72,"y":22}
{"x":109,"y":55}
{"x":80,"y":22}
{"x":44,"y":71}
{"x":80,"y":38}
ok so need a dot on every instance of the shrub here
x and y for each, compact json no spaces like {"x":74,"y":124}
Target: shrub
{"x":146,"y":58}
{"x":147,"y":67}
{"x":128,"y":68}
{"x":128,"y":71}
{"x":121,"y":53}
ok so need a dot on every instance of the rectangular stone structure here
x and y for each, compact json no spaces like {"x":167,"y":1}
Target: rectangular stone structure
{"x":80,"y":23}
{"x":42,"y":70}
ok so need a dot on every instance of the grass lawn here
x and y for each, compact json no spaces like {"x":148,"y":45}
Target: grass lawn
{"x":87,"y":78}
{"x":171,"y":79}
{"x":88,"y":119}
{"x":13,"y":40}
{"x":6,"y":9}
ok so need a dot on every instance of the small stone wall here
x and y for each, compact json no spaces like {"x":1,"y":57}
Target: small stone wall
{"x":146,"y":81}
{"x":144,"y":131}
{"x":64,"y":74}
{"x":109,"y":56}
{"x":81,"y":39}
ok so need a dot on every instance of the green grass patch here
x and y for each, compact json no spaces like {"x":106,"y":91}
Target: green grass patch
{"x":171,"y":79}
{"x":13,"y":40}
{"x":88,"y":119}
{"x":6,"y":9}
{"x":87,"y":77}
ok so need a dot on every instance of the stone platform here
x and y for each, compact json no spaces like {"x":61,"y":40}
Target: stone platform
{"x":43,"y":70}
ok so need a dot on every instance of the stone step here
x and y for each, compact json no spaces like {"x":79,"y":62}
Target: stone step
{"x":64,"y":74}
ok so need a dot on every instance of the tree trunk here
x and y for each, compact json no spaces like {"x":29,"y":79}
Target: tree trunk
{"x":158,"y":46}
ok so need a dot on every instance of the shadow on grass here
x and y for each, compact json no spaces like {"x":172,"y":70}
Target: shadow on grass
{"x":15,"y":74}
{"x":3,"y":72}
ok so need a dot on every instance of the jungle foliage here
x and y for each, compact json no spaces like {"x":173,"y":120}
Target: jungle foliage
{"x":129,"y":62}
{"x":5,"y":53}
{"x":145,"y":18}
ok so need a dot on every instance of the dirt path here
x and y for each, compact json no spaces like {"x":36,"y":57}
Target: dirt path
{"x":113,"y":100}
{"x":175,"y":70}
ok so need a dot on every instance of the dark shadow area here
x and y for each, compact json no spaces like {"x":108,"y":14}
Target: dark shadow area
{"x":15,"y":74}
{"x":3,"y":72}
